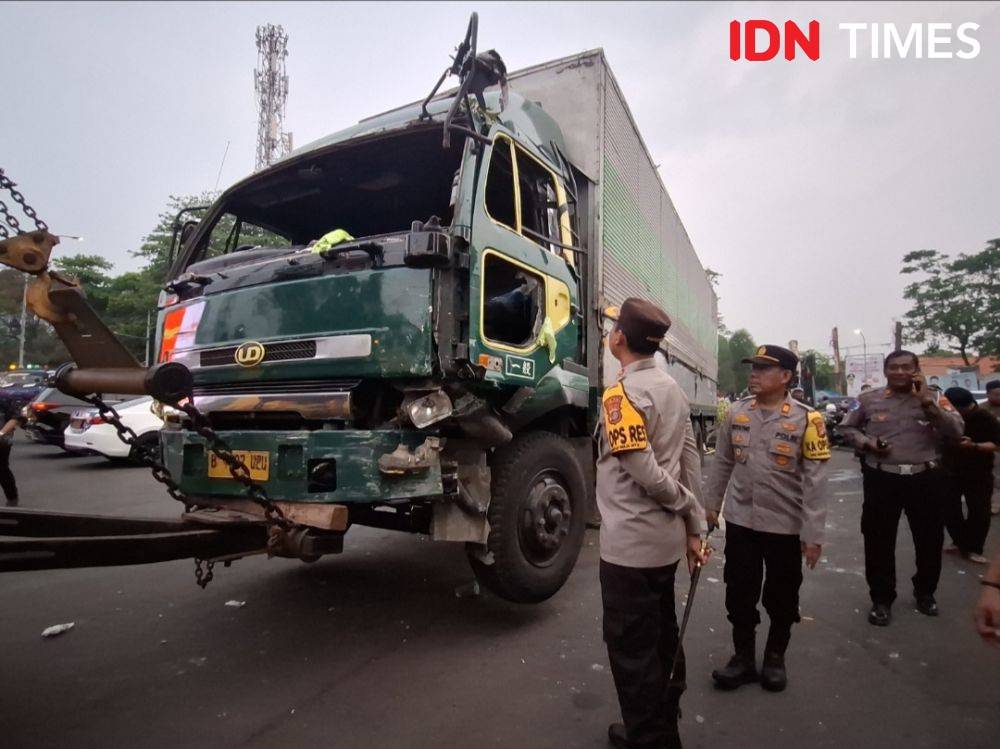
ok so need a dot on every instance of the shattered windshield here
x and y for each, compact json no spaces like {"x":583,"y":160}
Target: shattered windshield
{"x":355,"y":191}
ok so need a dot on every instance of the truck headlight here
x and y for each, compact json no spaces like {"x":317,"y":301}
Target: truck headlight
{"x":428,"y":409}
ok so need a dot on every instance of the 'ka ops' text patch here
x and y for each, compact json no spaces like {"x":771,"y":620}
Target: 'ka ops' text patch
{"x":623,"y":423}
{"x":815,"y":444}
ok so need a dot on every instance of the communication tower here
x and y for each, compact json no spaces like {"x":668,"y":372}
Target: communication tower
{"x":271,"y":86}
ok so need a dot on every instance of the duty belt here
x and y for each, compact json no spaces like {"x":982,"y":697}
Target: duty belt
{"x":901,"y":469}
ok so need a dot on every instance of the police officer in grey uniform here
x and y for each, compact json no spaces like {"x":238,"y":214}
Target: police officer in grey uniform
{"x":772,"y":455}
{"x":648,"y":486}
{"x":900,"y":430}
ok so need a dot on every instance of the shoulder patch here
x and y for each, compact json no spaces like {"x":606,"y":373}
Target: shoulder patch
{"x":815,"y":443}
{"x":945,"y":403}
{"x":623,"y":423}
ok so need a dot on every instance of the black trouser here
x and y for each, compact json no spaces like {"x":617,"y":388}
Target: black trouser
{"x":748,"y":554}
{"x":6,"y":475}
{"x":640,"y":629}
{"x":969,"y":533}
{"x":922,"y":498}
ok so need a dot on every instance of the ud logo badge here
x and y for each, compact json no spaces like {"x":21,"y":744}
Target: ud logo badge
{"x":250,"y":354}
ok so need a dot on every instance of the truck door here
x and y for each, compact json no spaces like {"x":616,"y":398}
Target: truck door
{"x":524,"y":300}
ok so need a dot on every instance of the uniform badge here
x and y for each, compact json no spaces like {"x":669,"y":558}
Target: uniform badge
{"x":786,"y":409}
{"x":761,"y":351}
{"x":741,"y":419}
{"x":821,"y":427}
{"x":781,"y":460}
{"x":788,"y":426}
{"x":613,"y":408}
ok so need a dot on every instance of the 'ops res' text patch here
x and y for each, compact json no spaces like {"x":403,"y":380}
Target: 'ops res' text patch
{"x":623,"y":423}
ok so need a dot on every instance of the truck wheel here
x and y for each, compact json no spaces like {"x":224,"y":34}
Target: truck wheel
{"x":537,"y":515}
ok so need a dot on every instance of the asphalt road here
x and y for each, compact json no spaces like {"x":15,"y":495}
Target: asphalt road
{"x":373,"y":648}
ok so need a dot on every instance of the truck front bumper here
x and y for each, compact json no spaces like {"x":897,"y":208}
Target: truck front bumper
{"x":307,"y":466}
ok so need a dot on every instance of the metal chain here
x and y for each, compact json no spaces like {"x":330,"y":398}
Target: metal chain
{"x":239,"y":470}
{"x":203,"y":578}
{"x":7,"y":184}
{"x":237,"y":467}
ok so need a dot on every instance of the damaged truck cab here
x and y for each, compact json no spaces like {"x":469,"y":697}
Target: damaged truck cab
{"x":393,"y":325}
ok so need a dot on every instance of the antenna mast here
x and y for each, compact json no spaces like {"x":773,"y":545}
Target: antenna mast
{"x":271,"y":86}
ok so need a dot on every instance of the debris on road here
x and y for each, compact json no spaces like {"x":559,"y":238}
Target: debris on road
{"x":57,"y":629}
{"x":468,"y":590}
{"x":236,"y":604}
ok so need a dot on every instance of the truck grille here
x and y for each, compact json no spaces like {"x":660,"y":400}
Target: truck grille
{"x":277,"y":387}
{"x":272,"y":352}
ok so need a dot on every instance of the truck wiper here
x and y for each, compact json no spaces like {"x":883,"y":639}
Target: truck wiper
{"x":374,"y":250}
{"x":185,"y":280}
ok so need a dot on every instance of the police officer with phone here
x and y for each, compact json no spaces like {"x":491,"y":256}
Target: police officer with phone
{"x":900,"y":431}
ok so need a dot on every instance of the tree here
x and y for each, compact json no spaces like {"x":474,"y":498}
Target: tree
{"x":825,"y":377}
{"x":955,"y":303}
{"x":91,"y":272}
{"x":733,"y":373}
{"x":155,"y":248}
{"x":713,"y":280}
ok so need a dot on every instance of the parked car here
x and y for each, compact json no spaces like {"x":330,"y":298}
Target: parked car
{"x":20,"y":387}
{"x":49,"y":414}
{"x":88,"y":432}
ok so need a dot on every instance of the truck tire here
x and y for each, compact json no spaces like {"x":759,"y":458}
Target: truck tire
{"x":537,"y":518}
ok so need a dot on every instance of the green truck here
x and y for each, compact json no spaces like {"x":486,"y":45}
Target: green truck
{"x":403,"y":321}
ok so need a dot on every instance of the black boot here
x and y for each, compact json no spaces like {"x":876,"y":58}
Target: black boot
{"x":673,"y":716}
{"x":773,"y":676}
{"x":927,"y":606}
{"x":617,"y":736}
{"x":742,"y":667}
{"x":880,"y":615}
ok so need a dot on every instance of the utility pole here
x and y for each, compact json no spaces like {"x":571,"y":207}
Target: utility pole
{"x":24,"y":324}
{"x":271,"y":86}
{"x":897,"y":335}
{"x":148,"y":341}
{"x":835,"y":340}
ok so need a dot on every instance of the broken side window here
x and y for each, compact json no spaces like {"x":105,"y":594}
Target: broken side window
{"x":500,"y":185}
{"x":512,"y":299}
{"x":539,"y":202}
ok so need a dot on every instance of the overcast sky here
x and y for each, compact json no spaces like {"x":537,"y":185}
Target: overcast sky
{"x":802,"y":182}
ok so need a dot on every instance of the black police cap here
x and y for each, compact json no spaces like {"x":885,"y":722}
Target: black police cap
{"x":641,"y":320}
{"x":775,"y":356}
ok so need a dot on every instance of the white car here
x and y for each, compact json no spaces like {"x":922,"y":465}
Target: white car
{"x":88,"y":432}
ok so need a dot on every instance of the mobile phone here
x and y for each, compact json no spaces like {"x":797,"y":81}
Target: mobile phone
{"x":916,"y":385}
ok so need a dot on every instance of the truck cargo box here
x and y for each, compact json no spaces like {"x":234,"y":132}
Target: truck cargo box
{"x":636,"y":239}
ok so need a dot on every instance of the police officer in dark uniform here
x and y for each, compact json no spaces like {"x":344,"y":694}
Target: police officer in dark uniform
{"x":9,"y":421}
{"x":772,"y":456}
{"x":648,"y":487}
{"x":901,"y":430}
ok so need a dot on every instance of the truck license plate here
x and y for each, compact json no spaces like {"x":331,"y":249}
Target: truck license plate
{"x":257,"y":462}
